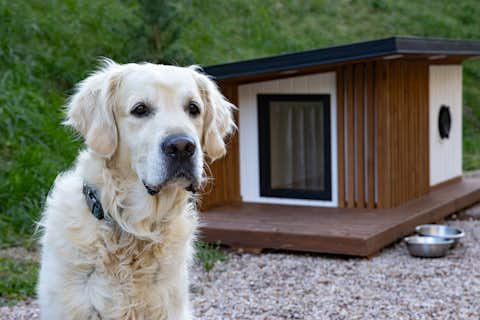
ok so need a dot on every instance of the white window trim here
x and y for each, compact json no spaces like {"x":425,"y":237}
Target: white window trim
{"x":321,"y":83}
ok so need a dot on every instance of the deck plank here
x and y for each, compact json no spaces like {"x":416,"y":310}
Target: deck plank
{"x":350,"y":231}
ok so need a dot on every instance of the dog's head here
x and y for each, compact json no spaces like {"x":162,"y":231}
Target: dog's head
{"x":158,"y":120}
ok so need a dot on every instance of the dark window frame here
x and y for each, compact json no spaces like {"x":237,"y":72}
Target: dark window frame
{"x":263,"y":112}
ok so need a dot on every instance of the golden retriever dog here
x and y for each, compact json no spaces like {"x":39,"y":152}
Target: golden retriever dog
{"x":118,"y":227}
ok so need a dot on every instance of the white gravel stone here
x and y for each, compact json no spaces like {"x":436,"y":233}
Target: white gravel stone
{"x":25,"y":310}
{"x":392,"y":285}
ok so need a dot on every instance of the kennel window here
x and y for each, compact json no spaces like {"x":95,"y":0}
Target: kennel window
{"x":294,"y":146}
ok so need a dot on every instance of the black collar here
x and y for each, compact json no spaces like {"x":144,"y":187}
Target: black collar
{"x":93,"y":201}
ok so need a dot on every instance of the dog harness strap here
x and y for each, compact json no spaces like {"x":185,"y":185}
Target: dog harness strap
{"x":93,"y":202}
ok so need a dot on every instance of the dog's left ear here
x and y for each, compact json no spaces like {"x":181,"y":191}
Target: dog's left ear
{"x":90,"y":110}
{"x":218,"y":119}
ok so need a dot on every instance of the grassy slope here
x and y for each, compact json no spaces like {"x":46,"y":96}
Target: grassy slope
{"x":47,"y":46}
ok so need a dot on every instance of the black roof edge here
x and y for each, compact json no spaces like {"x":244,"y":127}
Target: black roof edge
{"x":344,"y":53}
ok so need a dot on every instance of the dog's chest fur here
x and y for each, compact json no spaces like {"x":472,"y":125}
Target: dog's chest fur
{"x":140,"y":274}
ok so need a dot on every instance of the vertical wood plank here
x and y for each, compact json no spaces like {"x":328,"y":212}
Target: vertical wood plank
{"x":232,"y":174}
{"x":370,"y":111}
{"x":360,"y":134}
{"x":398,"y":107}
{"x":380,"y":127}
{"x":405,"y":123}
{"x":383,"y":128}
{"x":410,"y":101}
{"x":413,"y":99}
{"x":225,"y":188}
{"x":349,"y":75}
{"x":395,"y":144}
{"x":341,"y":137}
{"x":424,"y":127}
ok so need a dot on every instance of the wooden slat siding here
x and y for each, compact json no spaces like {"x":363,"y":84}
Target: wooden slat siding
{"x":389,"y":132}
{"x":370,"y":111}
{"x":398,"y":111}
{"x":401,"y":98}
{"x":341,"y":137}
{"x":236,"y":147}
{"x":413,"y":106}
{"x":229,"y":174}
{"x":225,"y":173}
{"x":222,"y":169}
{"x":422,"y":139}
{"x":383,"y":129}
{"x":402,"y":134}
{"x":395,"y":77}
{"x":409,"y":100}
{"x":233,"y":171}
{"x":349,"y":75}
{"x":360,"y":134}
{"x":409,"y":144}
{"x":424,"y":128}
{"x":414,"y":94}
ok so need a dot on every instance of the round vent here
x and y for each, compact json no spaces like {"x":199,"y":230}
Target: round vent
{"x":444,"y":122}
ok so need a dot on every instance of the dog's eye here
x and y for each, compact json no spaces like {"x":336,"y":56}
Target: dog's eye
{"x":193,"y":109}
{"x":140,"y":110}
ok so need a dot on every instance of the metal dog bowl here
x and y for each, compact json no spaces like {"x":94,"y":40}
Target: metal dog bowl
{"x":441,"y":231}
{"x":428,"y":247}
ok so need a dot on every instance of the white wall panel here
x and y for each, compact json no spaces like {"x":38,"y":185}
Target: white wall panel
{"x":445,"y":154}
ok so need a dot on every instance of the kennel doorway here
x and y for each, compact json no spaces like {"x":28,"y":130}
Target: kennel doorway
{"x":294,"y":141}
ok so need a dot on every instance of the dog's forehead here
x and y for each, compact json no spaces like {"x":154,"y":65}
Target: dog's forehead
{"x":150,"y":82}
{"x":160,"y":76}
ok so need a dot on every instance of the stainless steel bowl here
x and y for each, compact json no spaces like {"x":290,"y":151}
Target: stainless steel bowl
{"x":428,"y":247}
{"x":441,"y":231}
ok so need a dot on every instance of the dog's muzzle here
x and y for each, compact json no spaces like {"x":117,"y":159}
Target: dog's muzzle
{"x":179,"y":153}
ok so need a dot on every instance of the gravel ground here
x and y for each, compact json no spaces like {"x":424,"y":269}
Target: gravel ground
{"x":391,"y":285}
{"x":25,"y":310}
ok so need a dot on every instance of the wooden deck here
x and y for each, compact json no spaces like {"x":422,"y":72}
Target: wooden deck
{"x":359,"y":232}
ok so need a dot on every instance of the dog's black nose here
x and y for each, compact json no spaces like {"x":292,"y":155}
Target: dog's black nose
{"x":180,"y":147}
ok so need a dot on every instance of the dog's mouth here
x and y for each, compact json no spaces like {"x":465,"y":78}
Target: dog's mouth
{"x":181,"y":179}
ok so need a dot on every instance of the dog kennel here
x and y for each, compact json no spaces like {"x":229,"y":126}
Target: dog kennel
{"x":342,"y":149}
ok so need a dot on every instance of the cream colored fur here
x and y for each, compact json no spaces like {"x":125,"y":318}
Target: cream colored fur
{"x":136,"y":265}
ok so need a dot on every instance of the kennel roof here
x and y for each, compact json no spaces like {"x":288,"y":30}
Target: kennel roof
{"x":388,"y":48}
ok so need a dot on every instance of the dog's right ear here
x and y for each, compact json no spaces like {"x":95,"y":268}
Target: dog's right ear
{"x":91,"y":109}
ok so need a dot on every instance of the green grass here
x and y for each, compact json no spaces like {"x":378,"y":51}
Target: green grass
{"x":209,"y":254}
{"x":17,"y":280}
{"x":47,"y":46}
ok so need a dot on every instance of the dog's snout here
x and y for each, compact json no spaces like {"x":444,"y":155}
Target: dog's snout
{"x":180,"y":147}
